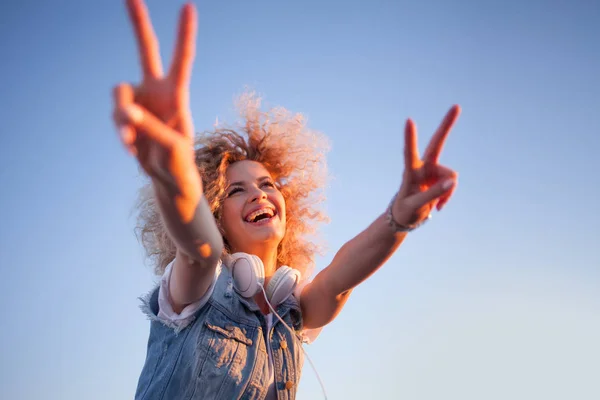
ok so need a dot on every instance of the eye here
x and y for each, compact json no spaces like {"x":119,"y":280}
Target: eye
{"x":234,"y":191}
{"x":268,"y":183}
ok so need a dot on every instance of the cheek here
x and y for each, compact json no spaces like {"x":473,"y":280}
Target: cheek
{"x":229,"y":216}
{"x":283,"y":209}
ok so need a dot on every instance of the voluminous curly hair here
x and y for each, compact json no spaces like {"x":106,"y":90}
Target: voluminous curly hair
{"x":292,"y":153}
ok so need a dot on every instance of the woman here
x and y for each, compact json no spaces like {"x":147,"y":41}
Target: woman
{"x":226,"y":222}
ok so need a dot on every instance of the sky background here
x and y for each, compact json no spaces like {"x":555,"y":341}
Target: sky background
{"x":497,"y":297}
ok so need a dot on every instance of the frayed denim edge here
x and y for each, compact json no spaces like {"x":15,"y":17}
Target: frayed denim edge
{"x":147,"y":310}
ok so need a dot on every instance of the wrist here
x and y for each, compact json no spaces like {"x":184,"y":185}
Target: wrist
{"x":394,"y":225}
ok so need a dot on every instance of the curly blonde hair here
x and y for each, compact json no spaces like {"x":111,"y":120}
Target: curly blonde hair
{"x":281,"y":142}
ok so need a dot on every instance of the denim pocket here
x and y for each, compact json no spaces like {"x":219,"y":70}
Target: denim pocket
{"x":227,"y":344}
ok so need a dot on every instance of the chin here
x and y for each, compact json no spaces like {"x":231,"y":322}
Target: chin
{"x":264,"y":235}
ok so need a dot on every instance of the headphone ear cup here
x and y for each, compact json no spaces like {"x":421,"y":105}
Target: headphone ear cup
{"x":282,"y":284}
{"x":244,"y":268}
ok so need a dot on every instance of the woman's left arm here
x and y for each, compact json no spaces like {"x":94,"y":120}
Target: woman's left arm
{"x":425,"y":185}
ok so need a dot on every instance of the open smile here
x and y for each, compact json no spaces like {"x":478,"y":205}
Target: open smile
{"x":261,"y":216}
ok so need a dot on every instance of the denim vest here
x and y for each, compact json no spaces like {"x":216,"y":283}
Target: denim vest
{"x":222,"y":354}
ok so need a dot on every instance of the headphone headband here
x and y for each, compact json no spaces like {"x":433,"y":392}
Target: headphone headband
{"x":248,"y":274}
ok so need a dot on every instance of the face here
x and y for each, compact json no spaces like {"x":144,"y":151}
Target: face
{"x":253,"y":213}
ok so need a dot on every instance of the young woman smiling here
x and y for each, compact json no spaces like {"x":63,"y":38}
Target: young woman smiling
{"x":226,"y":218}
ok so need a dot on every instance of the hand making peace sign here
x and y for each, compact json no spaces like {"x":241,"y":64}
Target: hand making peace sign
{"x":426,"y":184}
{"x":154,"y":119}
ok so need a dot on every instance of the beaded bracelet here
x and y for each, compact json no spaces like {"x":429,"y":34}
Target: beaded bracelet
{"x":396,"y":227}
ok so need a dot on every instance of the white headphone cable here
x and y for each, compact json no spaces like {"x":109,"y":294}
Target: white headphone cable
{"x":294,"y":335}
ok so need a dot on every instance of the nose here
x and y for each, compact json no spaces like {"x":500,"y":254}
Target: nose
{"x":256,"y":194}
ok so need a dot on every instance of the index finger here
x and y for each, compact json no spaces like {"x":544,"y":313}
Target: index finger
{"x":411,"y":149}
{"x":146,"y":39}
{"x":432,"y":153}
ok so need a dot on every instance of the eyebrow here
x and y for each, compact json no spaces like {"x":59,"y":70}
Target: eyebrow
{"x":240,"y":183}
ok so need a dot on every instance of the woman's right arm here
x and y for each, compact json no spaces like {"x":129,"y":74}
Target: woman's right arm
{"x":155,"y":125}
{"x":199,"y":246}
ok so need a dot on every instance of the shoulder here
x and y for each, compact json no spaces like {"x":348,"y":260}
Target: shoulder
{"x":157,"y":304}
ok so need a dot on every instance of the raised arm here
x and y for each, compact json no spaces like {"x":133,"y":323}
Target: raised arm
{"x":426,"y":185}
{"x":156,"y":127}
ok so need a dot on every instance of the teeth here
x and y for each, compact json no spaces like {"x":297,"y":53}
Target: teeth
{"x":256,"y":213}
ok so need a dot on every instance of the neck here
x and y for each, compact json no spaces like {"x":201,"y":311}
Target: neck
{"x":269,"y":259}
{"x":267,"y":254}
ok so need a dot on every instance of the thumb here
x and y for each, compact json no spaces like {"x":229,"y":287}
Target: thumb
{"x":148,"y":124}
{"x":418,"y":200}
{"x":122,"y":96}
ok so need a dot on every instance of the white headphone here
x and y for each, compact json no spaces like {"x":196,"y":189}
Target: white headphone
{"x":248,"y":274}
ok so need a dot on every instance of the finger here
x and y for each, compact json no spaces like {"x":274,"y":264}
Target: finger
{"x":411,"y":151}
{"x":443,"y":173}
{"x":148,"y":125}
{"x":436,"y":191}
{"x":146,"y":39}
{"x":185,"y":48}
{"x":435,"y":173}
{"x":432,"y":153}
{"x":431,"y":173}
{"x":123,"y":96}
{"x":446,"y":197}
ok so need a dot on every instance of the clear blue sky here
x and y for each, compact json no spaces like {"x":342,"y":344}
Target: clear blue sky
{"x":496,"y":297}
